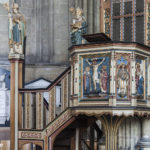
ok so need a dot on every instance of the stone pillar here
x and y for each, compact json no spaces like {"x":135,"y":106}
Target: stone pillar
{"x":39,"y":111}
{"x":16,"y":61}
{"x":144,"y":142}
{"x":76,"y":3}
{"x":112,"y":100}
{"x":96,"y":16}
{"x":76,"y":76}
{"x":90,"y":17}
{"x":102,"y":16}
{"x":133,"y":83}
{"x":111,"y":125}
{"x":80,"y":3}
{"x":148,"y":80}
{"x":85,"y":8}
{"x":77,"y":139}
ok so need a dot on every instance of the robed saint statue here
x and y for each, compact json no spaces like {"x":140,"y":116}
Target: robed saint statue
{"x":16,"y":29}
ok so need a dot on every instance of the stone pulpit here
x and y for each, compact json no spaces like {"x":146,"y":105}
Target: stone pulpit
{"x":111,"y":78}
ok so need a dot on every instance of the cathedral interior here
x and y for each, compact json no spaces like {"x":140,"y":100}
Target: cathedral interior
{"x":75,"y":75}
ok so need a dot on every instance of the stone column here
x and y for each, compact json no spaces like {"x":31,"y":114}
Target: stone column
{"x":85,"y":8}
{"x":102,"y":16}
{"x":20,"y":85}
{"x":112,"y":100}
{"x":76,"y":77}
{"x":133,"y":83}
{"x":111,"y":125}
{"x":144,"y":142}
{"x":51,"y":28}
{"x":148,"y":80}
{"x":77,"y":139}
{"x":96,"y":16}
{"x":16,"y":61}
{"x":90,"y":17}
{"x":76,"y":3}
{"x":80,"y":3}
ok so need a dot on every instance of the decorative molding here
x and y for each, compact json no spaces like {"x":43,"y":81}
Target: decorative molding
{"x":30,"y":135}
{"x":58,"y":123}
{"x":148,"y":25}
{"x":107,"y":21}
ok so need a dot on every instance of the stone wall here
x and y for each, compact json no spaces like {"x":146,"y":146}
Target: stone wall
{"x":48,"y":31}
{"x":129,"y":134}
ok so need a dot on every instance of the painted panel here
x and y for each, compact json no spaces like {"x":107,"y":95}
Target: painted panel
{"x":140,"y":77}
{"x":95,"y":76}
{"x":123,"y":77}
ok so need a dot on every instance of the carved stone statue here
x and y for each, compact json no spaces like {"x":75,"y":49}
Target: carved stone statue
{"x":16,"y":29}
{"x":78,"y":26}
{"x":123,"y":77}
{"x":2,"y":81}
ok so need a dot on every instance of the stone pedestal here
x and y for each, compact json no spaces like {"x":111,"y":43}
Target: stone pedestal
{"x":111,"y":125}
{"x":144,"y":143}
{"x":16,"y":61}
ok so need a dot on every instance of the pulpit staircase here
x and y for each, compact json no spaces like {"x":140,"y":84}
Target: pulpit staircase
{"x":42,"y":118}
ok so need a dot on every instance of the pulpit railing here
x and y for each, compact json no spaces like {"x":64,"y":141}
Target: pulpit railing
{"x":42,"y":106}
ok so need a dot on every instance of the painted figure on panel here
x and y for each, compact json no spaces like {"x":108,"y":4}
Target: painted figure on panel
{"x":16,"y":29}
{"x":139,"y":79}
{"x":123,"y":77}
{"x":95,"y":66}
{"x":103,"y":79}
{"x":87,"y":80}
{"x":79,"y":26}
{"x":96,"y":76}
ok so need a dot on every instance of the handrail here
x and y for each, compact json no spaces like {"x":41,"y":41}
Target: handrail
{"x":48,"y":123}
{"x":54,"y":83}
{"x":83,"y":142}
{"x":57,"y":101}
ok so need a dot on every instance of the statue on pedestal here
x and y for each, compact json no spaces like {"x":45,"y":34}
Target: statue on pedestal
{"x":16,"y":29}
{"x":78,"y":26}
